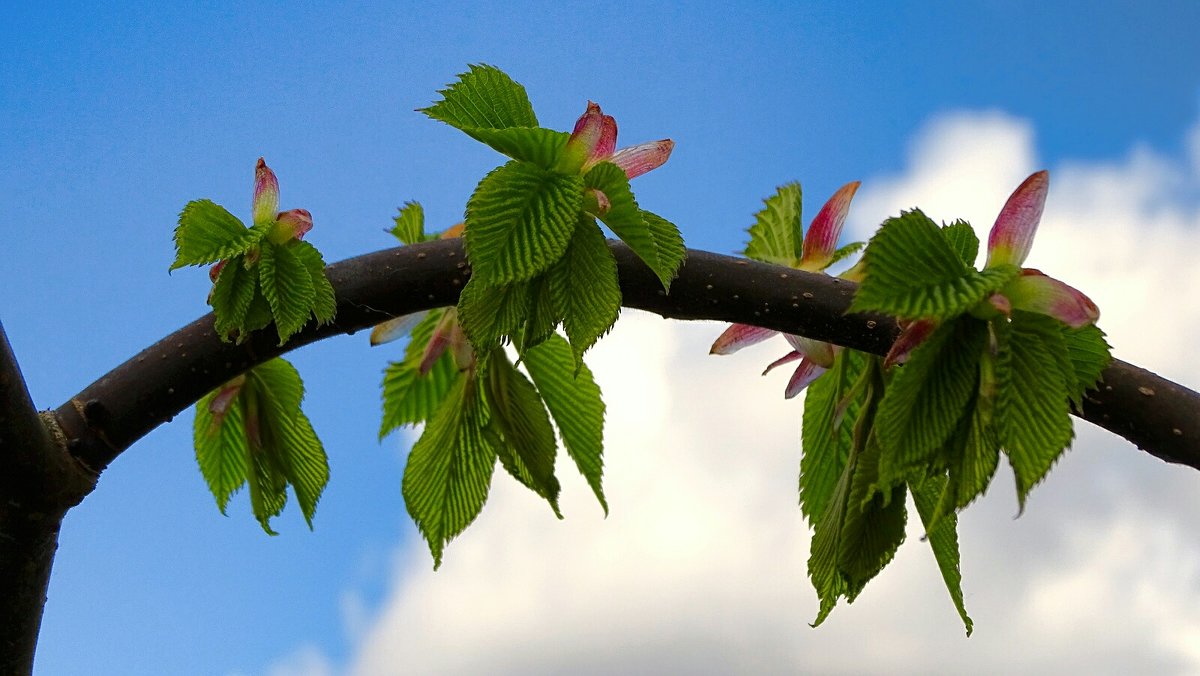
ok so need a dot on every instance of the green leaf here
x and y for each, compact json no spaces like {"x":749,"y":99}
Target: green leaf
{"x":1089,"y":354}
{"x":854,"y":538}
{"x":324,"y":305}
{"x":777,"y":235}
{"x":914,"y":272}
{"x":287,"y":285}
{"x":484,"y":98}
{"x":961,"y":237}
{"x":539,"y":146}
{"x":1034,"y":422}
{"x":488,"y":313}
{"x":826,"y":432}
{"x":584,"y":286}
{"x":221,"y":449}
{"x":929,"y":395}
{"x":671,"y":251}
{"x":519,"y":222}
{"x":408,"y":397}
{"x":288,"y":435}
{"x":943,"y":540}
{"x":576,"y":405}
{"x":231,"y":298}
{"x":208,"y":233}
{"x":449,"y":470}
{"x":846,"y":251}
{"x":528,"y":447}
{"x":410,"y":223}
{"x":627,"y":221}
{"x":973,"y":463}
{"x":871,"y":534}
{"x":544,"y":315}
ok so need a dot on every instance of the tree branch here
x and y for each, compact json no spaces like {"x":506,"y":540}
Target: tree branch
{"x":38,"y":483}
{"x":109,"y":415}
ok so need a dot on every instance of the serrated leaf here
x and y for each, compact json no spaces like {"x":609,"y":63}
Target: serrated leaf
{"x":584,"y":286}
{"x":671,"y":251}
{"x":207,"y":233}
{"x":288,"y":436}
{"x":1034,"y":422}
{"x":324,"y":305}
{"x":408,"y":397}
{"x":973,"y":464}
{"x":231,"y":298}
{"x":487,"y":313}
{"x":943,"y":540}
{"x":855,"y":537}
{"x":827,"y":431}
{"x":544,"y":315}
{"x":961,"y":237}
{"x":221,"y":449}
{"x":929,"y":395}
{"x":528,"y":448}
{"x":871,"y":534}
{"x":484,"y":98}
{"x":626,"y":220}
{"x":287,"y":285}
{"x":913,"y":272}
{"x":777,"y":235}
{"x":449,"y":470}
{"x":539,"y":146}
{"x":1089,"y":354}
{"x":576,"y":405}
{"x":519,"y":222}
{"x":268,"y":487}
{"x":258,"y":315}
{"x":410,"y":224}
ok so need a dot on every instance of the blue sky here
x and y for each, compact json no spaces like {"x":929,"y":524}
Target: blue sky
{"x":115,"y":116}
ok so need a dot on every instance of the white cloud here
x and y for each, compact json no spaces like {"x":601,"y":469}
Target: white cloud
{"x":701,"y":566}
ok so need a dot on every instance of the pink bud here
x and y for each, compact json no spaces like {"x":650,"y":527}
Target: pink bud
{"x":910,"y":339}
{"x":1035,"y":292}
{"x":1012,"y":235}
{"x":738,"y":336}
{"x":821,"y":239}
{"x":642,"y":158}
{"x":594,"y":137}
{"x":296,"y":222}
{"x":266,"y":193}
{"x":805,"y":374}
{"x":818,"y":351}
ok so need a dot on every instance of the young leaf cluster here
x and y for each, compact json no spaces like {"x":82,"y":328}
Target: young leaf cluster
{"x":474,"y":417}
{"x":252,"y":431}
{"x":257,"y":279}
{"x":980,"y":385}
{"x":538,"y":256}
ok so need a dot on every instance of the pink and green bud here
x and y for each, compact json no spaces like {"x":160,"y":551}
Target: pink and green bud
{"x":1035,"y":292}
{"x":805,"y":374}
{"x":215,"y":271}
{"x":785,"y":359}
{"x":595,"y":202}
{"x":738,"y":336}
{"x":220,"y":405}
{"x":818,"y":351}
{"x":821,"y":239}
{"x":292,"y":224}
{"x":642,"y":158}
{"x":593,"y":139}
{"x":439,"y":341}
{"x":1012,"y":235}
{"x":266,"y":193}
{"x":911,"y":337}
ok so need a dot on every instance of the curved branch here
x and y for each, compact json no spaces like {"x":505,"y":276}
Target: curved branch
{"x":109,"y":415}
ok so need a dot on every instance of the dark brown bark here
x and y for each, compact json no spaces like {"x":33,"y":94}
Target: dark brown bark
{"x":38,"y":483}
